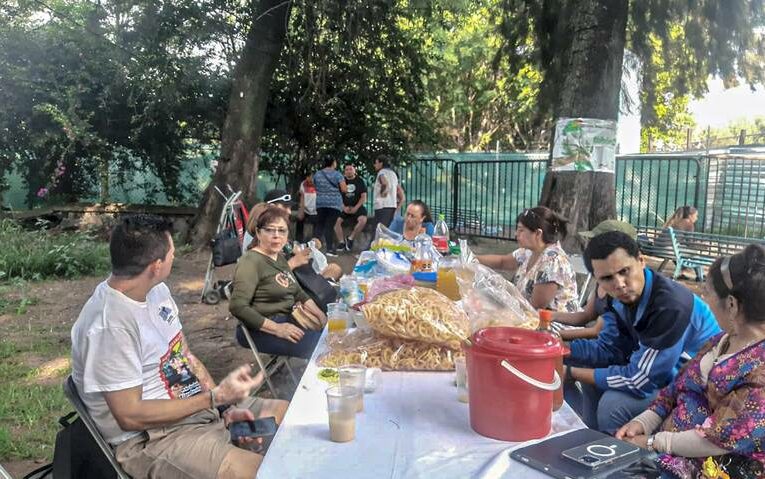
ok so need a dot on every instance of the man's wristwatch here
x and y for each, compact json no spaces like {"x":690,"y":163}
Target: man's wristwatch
{"x":649,"y":443}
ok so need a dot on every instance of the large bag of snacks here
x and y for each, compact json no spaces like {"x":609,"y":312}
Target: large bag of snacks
{"x":491,"y":300}
{"x":419,"y":314}
{"x":375,"y":351}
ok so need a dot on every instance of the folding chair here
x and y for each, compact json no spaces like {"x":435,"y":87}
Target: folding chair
{"x":269,"y":367}
{"x":587,"y":284}
{"x":70,"y":390}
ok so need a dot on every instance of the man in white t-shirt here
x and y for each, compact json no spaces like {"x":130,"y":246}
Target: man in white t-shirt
{"x":150,"y":397}
{"x":388,"y":195}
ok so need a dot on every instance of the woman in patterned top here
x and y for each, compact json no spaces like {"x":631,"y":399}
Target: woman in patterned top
{"x":711,"y":419}
{"x":543,"y":272}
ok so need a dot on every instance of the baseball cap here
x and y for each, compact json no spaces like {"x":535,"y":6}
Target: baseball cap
{"x":609,"y":225}
{"x":278,"y":196}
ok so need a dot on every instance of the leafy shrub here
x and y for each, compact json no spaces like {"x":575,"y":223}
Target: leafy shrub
{"x":41,"y":254}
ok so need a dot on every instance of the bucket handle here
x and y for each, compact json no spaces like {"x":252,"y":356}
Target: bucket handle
{"x":553,"y":386}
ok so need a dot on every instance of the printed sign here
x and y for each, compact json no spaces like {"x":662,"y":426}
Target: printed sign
{"x":584,"y":144}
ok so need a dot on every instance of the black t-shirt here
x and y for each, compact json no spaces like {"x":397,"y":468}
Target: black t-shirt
{"x":356,"y":187}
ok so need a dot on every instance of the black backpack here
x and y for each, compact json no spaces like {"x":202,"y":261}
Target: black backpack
{"x":76,"y":455}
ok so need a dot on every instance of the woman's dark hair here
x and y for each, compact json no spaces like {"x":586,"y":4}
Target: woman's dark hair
{"x":553,"y":225}
{"x":602,"y":245}
{"x":136,"y":242}
{"x":384,"y":159}
{"x":271,"y":214}
{"x":747,"y":278}
{"x":259,"y":219}
{"x":327,"y":161}
{"x":426,"y":216}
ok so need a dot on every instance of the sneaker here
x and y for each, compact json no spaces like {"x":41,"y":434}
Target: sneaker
{"x":348,"y":244}
{"x":331,"y":254}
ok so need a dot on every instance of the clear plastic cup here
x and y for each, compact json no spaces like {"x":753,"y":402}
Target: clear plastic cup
{"x":337,"y":317}
{"x":354,"y":376}
{"x":460,"y":378}
{"x":341,"y":406}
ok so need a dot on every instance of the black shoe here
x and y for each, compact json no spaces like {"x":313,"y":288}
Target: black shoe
{"x":348,"y":244}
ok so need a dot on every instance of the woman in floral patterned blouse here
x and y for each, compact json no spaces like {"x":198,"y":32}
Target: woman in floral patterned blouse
{"x":711,"y":419}
{"x":543,"y":272}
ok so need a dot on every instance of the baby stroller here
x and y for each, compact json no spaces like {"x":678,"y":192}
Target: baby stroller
{"x":226,"y":245}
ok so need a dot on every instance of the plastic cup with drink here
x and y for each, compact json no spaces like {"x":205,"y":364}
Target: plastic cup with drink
{"x":354,"y":376}
{"x":341,"y":406}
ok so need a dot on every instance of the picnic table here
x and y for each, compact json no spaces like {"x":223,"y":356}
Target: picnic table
{"x":411,"y":426}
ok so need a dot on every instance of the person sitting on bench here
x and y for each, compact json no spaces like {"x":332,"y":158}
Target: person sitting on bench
{"x":150,"y":397}
{"x":652,"y":326}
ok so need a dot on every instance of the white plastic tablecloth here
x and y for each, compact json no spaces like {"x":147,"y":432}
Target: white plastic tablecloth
{"x":412,"y":426}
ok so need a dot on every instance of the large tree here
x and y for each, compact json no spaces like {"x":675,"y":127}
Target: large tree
{"x":240,"y":137}
{"x":579,"y":47}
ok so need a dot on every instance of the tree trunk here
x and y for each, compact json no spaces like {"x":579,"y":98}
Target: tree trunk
{"x":243,"y":128}
{"x":591,"y":35}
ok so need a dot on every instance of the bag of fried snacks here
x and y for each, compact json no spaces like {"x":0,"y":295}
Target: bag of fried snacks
{"x":419,"y":314}
{"x":491,"y":300}
{"x":389,"y":354}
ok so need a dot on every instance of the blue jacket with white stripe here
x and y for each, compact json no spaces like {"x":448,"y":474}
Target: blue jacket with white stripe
{"x":641,"y":348}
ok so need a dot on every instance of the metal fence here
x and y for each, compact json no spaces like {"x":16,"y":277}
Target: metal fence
{"x":483,"y":197}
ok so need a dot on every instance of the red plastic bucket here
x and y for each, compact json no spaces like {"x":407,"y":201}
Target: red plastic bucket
{"x":511,"y":375}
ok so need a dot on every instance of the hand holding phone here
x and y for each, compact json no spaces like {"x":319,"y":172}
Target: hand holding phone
{"x":262,"y":427}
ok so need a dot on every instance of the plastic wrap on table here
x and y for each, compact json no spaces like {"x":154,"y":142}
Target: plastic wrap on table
{"x":419,"y":314}
{"x":466,"y":254}
{"x":389,"y":354}
{"x":391,"y":262}
{"x":491,"y":300}
{"x":366,"y":265}
{"x":389,"y":240}
{"x":385,"y":284}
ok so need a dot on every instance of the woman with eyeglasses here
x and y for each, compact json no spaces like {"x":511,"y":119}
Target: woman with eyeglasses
{"x":542,"y":270}
{"x":266,"y":296}
{"x":710,"y":421}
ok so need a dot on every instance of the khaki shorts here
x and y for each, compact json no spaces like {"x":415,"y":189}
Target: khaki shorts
{"x":192,"y":448}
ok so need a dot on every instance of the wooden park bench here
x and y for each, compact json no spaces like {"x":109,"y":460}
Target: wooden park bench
{"x":689,"y":249}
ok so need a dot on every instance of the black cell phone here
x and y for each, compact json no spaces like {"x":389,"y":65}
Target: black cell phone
{"x":262,"y":427}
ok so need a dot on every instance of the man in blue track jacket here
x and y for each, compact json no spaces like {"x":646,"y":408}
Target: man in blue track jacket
{"x":652,"y":326}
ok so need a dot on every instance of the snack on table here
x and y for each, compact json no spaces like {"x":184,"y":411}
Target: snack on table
{"x":374,"y":351}
{"x":419,"y":314}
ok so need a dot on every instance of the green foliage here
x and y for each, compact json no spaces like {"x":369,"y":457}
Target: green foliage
{"x":88,"y":86}
{"x":475,"y":97}
{"x":40,"y":254}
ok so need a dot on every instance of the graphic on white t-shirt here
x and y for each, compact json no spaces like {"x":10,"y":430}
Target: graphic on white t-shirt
{"x":175,"y":371}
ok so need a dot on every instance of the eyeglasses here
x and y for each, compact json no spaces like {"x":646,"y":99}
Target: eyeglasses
{"x":282,"y":199}
{"x":275,"y":231}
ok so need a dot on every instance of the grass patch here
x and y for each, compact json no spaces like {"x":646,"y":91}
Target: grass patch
{"x":29,"y":411}
{"x":41,"y":254}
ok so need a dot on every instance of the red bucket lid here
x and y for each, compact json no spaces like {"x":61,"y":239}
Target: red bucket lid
{"x":507,"y":341}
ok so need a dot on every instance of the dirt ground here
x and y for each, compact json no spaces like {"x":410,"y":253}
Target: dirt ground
{"x":209,"y":332}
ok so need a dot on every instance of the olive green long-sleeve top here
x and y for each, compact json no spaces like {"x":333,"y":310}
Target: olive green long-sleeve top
{"x":263,"y":288}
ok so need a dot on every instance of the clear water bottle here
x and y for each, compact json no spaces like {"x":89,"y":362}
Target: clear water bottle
{"x":441,"y":235}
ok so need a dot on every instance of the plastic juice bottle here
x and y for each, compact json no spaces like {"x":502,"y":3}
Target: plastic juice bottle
{"x":446,"y":280}
{"x":441,"y":235}
{"x":545,"y":326}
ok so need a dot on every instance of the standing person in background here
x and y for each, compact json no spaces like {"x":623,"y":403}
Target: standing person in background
{"x":386,"y":191}
{"x":306,"y":209}
{"x":353,"y":207}
{"x":330,"y":187}
{"x":684,"y":219}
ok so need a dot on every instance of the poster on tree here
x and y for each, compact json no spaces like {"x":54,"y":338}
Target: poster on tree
{"x":584,"y":144}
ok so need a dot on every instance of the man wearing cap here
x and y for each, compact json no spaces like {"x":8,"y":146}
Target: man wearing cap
{"x":572,"y":326}
{"x":652,"y":326}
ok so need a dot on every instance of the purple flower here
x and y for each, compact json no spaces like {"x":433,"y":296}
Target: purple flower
{"x":42,"y":192}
